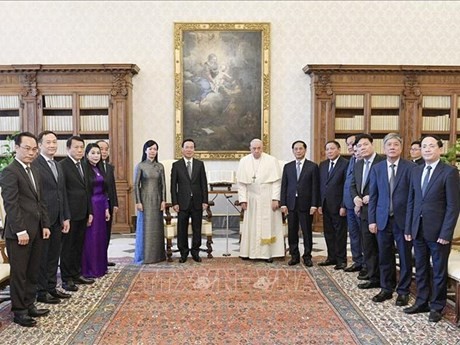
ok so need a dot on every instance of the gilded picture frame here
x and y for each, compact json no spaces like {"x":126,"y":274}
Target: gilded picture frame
{"x":222,"y":87}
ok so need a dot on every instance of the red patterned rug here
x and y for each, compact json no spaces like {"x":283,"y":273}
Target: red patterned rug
{"x":226,"y":301}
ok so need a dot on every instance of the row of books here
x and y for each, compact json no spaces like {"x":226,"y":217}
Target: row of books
{"x":385,"y":101}
{"x":90,"y":123}
{"x":385,"y":123}
{"x":349,"y":101}
{"x":436,"y":102}
{"x":94,"y":123}
{"x":436,"y":123}
{"x":9,"y":102}
{"x":57,"y":101}
{"x":94,"y":101}
{"x":9,"y":124}
{"x":354,"y":123}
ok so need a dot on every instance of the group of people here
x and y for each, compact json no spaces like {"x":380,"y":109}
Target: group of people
{"x":388,"y":204}
{"x":58,"y":214}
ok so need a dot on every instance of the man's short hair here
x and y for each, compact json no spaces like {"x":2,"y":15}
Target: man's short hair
{"x":185,"y":140}
{"x":416,"y":142}
{"x":333,"y":142}
{"x":299,"y":141}
{"x":42,"y":134}
{"x":392,"y":136}
{"x":363,"y":136}
{"x":68,"y":144}
{"x":18,"y":137}
{"x":435,"y":137}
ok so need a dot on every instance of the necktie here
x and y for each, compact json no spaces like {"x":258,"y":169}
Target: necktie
{"x":80,"y":170}
{"x":426,"y":179}
{"x":53,"y":168}
{"x":189,"y":168}
{"x":298,"y":169}
{"x":366,"y":173}
{"x":392,"y":186}
{"x":105,"y":166}
{"x":331,"y":166}
{"x":31,"y":177}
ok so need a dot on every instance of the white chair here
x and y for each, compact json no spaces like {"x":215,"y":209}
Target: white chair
{"x":170,"y":219}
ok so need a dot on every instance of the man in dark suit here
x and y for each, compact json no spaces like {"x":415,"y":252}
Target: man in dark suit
{"x":332,"y":175}
{"x":388,"y":193}
{"x":189,"y":195}
{"x":432,"y":213}
{"x":416,"y":152}
{"x":354,"y":226}
{"x":79,"y":199}
{"x":360,"y":192}
{"x":300,"y":200}
{"x":26,"y":228}
{"x":111,"y":188}
{"x":54,"y":196}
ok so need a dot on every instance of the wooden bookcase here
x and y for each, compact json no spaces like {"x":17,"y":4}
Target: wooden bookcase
{"x":410,"y":100}
{"x":93,"y":101}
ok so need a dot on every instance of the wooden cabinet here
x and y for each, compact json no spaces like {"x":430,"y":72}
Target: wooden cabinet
{"x":410,"y":100}
{"x":93,"y":101}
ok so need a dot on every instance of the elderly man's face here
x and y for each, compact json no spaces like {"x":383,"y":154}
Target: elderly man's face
{"x":256,"y":149}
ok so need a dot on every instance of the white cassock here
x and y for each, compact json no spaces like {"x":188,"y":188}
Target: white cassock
{"x":259,"y":182}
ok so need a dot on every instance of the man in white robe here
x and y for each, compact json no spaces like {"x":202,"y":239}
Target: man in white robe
{"x":259,"y":186}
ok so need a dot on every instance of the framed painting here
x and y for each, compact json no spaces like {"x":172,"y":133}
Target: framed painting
{"x":222,"y":87}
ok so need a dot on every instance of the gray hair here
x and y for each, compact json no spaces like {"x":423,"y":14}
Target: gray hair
{"x":392,"y":136}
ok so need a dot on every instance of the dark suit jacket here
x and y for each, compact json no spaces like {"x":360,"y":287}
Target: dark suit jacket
{"x":111,"y":186}
{"x":331,"y":187}
{"x":357,"y":180}
{"x":379,"y":193}
{"x":182,"y":186}
{"x":23,"y":205}
{"x":53,"y":192}
{"x":78,"y":191}
{"x":438,"y":210}
{"x":307,"y":187}
{"x":347,"y":199}
{"x":419,"y":161}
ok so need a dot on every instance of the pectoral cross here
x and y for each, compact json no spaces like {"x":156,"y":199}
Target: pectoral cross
{"x":254,"y":179}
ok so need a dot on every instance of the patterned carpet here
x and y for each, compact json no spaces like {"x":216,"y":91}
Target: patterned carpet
{"x":226,"y":301}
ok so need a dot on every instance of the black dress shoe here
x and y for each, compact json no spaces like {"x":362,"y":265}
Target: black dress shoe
{"x":382,"y":296}
{"x":416,"y":309}
{"x":269,"y":260}
{"x":308,"y":262}
{"x":341,"y":266}
{"x":59,"y":294}
{"x":69,"y":286}
{"x":48,"y":298}
{"x":110,"y":263}
{"x":183,"y":259}
{"x":402,"y":300}
{"x":353,"y":268}
{"x":83,"y":280}
{"x":24,"y":320}
{"x":196,"y":258}
{"x":327,"y":263}
{"x":368,"y":285}
{"x":364,"y":277}
{"x":435,"y":316}
{"x":293,"y":262}
{"x":35,"y":312}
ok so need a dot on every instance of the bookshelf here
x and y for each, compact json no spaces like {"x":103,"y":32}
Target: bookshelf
{"x":90,"y":100}
{"x":377,"y":99}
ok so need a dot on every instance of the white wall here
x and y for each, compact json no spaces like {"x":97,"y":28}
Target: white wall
{"x":302,"y":33}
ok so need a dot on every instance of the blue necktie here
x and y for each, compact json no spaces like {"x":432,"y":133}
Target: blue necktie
{"x":366,"y":173}
{"x":392,"y":187}
{"x":298,"y":169}
{"x":426,"y":179}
